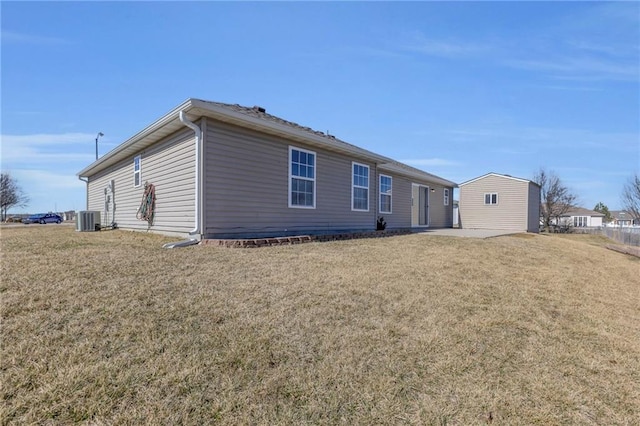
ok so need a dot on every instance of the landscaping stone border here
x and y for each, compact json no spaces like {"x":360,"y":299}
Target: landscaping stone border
{"x":300,"y":239}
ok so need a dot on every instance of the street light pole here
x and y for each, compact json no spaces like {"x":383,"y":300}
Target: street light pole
{"x":99,"y":134}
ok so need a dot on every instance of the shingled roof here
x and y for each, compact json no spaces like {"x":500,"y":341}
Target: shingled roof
{"x":251,"y":117}
{"x":262,"y":114}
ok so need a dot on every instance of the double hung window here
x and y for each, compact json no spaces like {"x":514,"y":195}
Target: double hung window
{"x":302,"y":178}
{"x":360,"y":187}
{"x":385,"y":193}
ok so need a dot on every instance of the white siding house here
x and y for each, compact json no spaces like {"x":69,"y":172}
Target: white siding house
{"x":578,"y":217}
{"x":623,"y":219}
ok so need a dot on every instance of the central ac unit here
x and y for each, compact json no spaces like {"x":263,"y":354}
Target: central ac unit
{"x":88,"y":221}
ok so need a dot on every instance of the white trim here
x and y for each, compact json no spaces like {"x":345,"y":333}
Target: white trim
{"x":353,"y":186}
{"x":497,"y":175}
{"x":313,"y":180}
{"x":169,"y":124}
{"x":380,"y":194}
{"x":491,"y":194}
{"x":138,"y":172}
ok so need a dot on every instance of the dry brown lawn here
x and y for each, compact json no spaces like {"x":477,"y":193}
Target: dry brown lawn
{"x":109,"y":328}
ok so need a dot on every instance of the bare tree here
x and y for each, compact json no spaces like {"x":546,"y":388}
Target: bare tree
{"x":11,"y":195}
{"x":631,"y":196}
{"x":555,"y":198}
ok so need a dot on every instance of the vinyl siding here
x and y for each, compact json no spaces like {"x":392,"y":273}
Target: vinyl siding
{"x":510,"y":213}
{"x":440,"y":216}
{"x":247,"y":181}
{"x":169,"y":165}
{"x":400,"y":216}
{"x":246,"y":189}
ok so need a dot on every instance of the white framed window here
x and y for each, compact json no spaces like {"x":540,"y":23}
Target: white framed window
{"x":360,"y":187}
{"x":136,"y":171}
{"x":580,"y":221}
{"x":302,"y":178}
{"x":386,"y":191}
{"x":491,"y":198}
{"x":446,"y":196}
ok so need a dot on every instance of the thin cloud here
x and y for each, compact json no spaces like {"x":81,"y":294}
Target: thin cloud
{"x":38,"y":148}
{"x":446,"y":48}
{"x":429,"y":162}
{"x":23,"y":38}
{"x":571,"y":88}
{"x":47,"y":138}
{"x":500,"y":137}
{"x":44,"y":181}
{"x":581,"y":69}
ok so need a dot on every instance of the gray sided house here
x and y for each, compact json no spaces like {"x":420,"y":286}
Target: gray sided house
{"x":495,"y":201}
{"x":227,"y":171}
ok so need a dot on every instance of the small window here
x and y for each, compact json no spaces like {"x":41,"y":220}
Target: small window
{"x":446,"y":196}
{"x":491,"y":198}
{"x":360,"y":187}
{"x":136,"y":170}
{"x":385,"y":194}
{"x":302,"y":178}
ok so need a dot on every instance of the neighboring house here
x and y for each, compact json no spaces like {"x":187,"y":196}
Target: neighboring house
{"x":623,"y":218}
{"x":227,"y":171}
{"x":496,"y":201}
{"x":579,"y":217}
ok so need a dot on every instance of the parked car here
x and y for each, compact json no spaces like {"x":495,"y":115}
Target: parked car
{"x":43,"y":218}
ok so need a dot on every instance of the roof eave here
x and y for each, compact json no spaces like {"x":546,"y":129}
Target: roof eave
{"x":133,"y":144}
{"x":498,"y":175}
{"x":169,"y":123}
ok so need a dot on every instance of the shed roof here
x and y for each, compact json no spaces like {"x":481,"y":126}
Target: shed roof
{"x":498,"y":175}
{"x":255,"y":118}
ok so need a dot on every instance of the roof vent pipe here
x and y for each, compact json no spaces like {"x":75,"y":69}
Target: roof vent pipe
{"x":198,"y":131}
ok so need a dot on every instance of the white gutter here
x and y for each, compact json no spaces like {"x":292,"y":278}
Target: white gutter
{"x":198,"y":131}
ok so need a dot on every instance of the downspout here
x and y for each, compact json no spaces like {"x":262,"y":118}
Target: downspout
{"x":86,"y":191}
{"x":198,"y":132}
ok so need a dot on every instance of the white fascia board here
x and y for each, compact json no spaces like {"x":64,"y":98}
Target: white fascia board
{"x":301,"y":135}
{"x":408,"y":171}
{"x":497,"y":175}
{"x":130,"y":146}
{"x":271,"y":127}
{"x":197,"y":108}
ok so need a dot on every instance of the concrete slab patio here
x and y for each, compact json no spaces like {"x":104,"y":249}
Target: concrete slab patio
{"x":466,"y":233}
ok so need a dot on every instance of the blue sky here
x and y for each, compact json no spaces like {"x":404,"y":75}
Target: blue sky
{"x":458,"y":89}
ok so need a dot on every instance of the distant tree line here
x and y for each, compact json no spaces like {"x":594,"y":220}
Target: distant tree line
{"x":556,"y":199}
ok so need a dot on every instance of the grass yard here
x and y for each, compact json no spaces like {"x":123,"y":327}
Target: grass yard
{"x":109,"y":328}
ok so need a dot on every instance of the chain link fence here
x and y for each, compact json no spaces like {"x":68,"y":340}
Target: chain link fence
{"x":626,"y":236}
